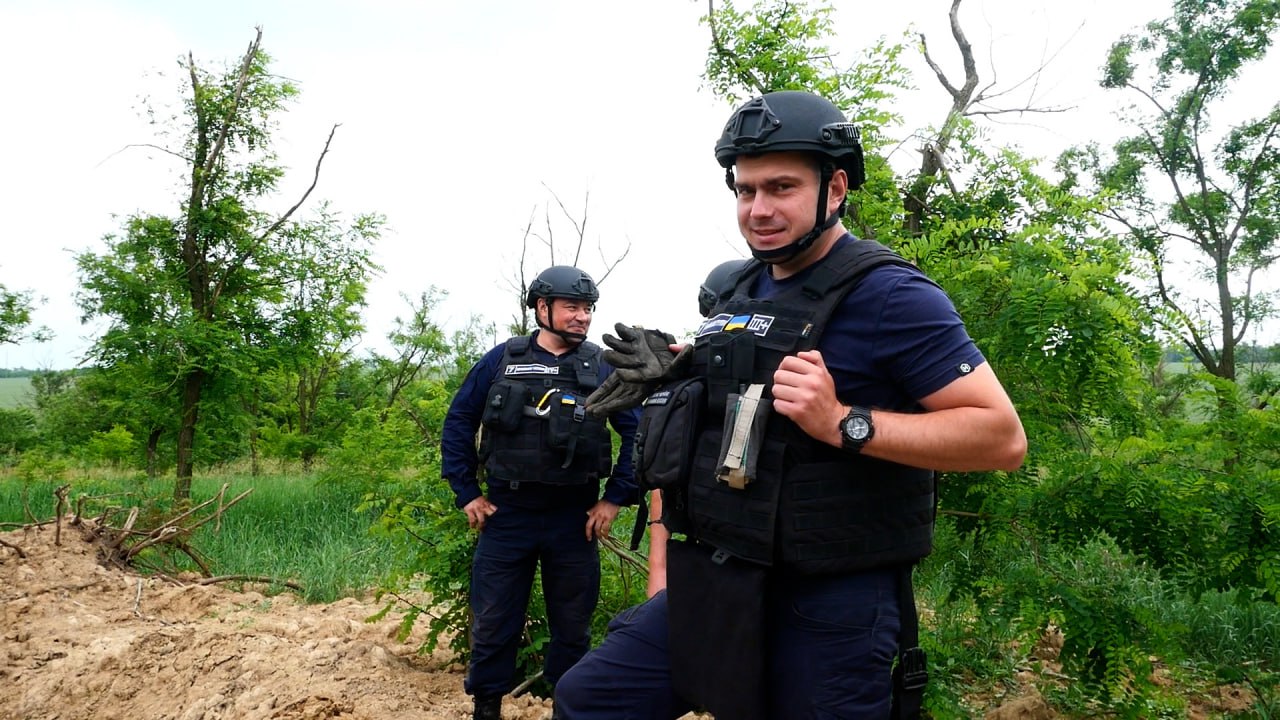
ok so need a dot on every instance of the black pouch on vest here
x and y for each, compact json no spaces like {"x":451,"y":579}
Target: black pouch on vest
{"x":716,"y":631}
{"x":745,"y":419}
{"x":667,"y":434}
{"x":504,"y":406}
{"x":567,"y":415}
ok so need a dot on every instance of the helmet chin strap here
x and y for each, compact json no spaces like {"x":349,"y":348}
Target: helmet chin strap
{"x":820,"y":225}
{"x":570,"y":337}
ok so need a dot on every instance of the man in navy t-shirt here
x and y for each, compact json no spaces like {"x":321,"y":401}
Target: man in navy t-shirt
{"x":838,"y":379}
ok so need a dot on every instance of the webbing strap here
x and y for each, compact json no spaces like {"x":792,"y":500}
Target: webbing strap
{"x":734,"y":470}
{"x":642,"y":522}
{"x":911,"y":674}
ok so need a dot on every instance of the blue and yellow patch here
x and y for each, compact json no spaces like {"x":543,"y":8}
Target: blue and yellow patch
{"x":725,"y":322}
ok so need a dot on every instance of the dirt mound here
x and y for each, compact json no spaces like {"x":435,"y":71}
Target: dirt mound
{"x":80,"y":640}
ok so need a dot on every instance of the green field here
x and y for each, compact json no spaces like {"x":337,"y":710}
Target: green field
{"x":15,"y":391}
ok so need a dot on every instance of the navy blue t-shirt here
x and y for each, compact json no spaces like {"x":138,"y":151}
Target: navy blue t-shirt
{"x":896,"y":338}
{"x":459,"y":460}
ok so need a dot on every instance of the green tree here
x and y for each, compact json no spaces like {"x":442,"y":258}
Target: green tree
{"x":15,"y":317}
{"x":17,"y":430}
{"x":1173,"y":189}
{"x":420,"y":347}
{"x":213,"y":289}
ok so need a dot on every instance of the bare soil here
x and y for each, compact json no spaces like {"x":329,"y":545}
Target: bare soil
{"x":79,"y":640}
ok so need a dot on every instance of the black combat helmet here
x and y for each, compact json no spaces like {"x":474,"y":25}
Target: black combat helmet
{"x":719,"y":283}
{"x":795,"y":121}
{"x":561,"y":281}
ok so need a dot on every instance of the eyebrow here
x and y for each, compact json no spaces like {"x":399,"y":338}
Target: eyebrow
{"x":772,"y":180}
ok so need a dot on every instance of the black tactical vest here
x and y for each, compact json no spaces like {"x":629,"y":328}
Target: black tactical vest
{"x":535,"y":427}
{"x":811,"y":507}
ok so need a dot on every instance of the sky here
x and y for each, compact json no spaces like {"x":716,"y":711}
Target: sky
{"x":462,"y":121}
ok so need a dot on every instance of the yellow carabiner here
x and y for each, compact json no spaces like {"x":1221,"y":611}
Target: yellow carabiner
{"x":542,"y":408}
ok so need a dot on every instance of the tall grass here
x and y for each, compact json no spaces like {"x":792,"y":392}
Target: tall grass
{"x":289,"y":528}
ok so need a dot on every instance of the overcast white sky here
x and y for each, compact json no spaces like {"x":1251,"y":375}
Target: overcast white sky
{"x":456,"y":117}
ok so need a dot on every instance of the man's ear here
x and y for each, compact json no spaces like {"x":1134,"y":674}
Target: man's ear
{"x":837,"y":189}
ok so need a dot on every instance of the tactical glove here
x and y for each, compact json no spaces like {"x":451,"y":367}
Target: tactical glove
{"x":642,"y":360}
{"x":616,"y":394}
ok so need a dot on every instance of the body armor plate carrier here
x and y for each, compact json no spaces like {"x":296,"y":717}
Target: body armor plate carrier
{"x":809,"y":507}
{"x":535,"y":427}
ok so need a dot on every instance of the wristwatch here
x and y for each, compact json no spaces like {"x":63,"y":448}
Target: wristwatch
{"x":856,"y":429}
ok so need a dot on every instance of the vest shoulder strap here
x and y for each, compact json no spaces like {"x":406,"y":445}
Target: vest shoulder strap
{"x":518,"y":348}
{"x":740,"y":281}
{"x":845,"y":265}
{"x":588,"y":365}
{"x":838,"y":274}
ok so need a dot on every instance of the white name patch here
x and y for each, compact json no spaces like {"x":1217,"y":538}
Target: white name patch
{"x":532,"y":369}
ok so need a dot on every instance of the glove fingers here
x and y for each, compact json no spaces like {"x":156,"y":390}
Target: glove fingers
{"x":642,"y":374}
{"x":621,"y":360}
{"x":658,"y":343}
{"x":630,"y":352}
{"x":621,"y":396}
{"x":608,"y":387}
{"x":630,"y":333}
{"x":618,"y":344}
{"x":682,"y":361}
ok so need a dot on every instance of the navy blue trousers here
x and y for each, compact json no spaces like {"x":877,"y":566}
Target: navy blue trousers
{"x":513,"y":544}
{"x":831,"y":643}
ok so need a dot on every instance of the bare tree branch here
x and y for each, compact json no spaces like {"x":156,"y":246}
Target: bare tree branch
{"x":153,"y":146}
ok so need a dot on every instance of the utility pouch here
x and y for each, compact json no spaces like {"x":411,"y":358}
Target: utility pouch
{"x":566,"y":414}
{"x":667,"y":434}
{"x":716,"y":605}
{"x":745,"y":418}
{"x":505,"y":405}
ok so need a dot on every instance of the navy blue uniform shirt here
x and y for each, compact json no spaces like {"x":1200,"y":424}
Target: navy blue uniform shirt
{"x":459,"y":461}
{"x":894,"y":339}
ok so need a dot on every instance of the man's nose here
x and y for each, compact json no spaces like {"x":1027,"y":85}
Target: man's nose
{"x":760,"y":206}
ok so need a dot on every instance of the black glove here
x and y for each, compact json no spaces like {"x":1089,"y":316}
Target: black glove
{"x":642,"y":360}
{"x":639,"y":355}
{"x":616,"y":394}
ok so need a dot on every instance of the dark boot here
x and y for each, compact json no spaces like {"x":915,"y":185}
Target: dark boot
{"x":488,"y":708}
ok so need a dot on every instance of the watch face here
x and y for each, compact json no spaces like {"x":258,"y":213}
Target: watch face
{"x":857,"y":428}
